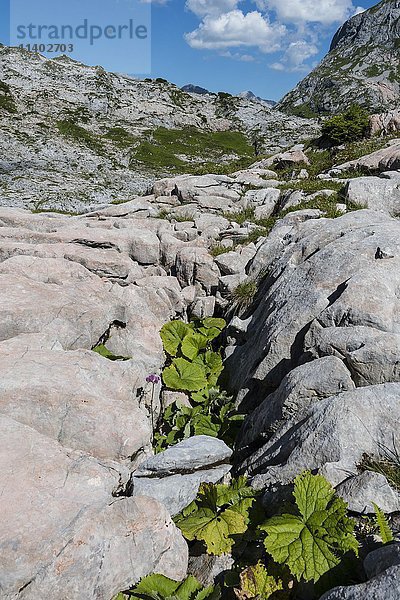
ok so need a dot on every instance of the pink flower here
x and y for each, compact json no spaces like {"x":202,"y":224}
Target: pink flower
{"x":154,"y":379}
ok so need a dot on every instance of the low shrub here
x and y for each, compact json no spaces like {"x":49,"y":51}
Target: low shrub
{"x":349,"y":126}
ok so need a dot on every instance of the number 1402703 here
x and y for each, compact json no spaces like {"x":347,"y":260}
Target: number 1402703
{"x":56,"y":48}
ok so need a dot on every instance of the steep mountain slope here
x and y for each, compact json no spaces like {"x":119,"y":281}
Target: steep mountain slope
{"x":73,"y":135}
{"x":361,"y":67}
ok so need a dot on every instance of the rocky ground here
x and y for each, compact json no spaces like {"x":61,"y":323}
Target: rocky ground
{"x":312,"y":354}
{"x":73,"y":136}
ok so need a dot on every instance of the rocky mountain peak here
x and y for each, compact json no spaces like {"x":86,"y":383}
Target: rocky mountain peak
{"x":361,"y":67}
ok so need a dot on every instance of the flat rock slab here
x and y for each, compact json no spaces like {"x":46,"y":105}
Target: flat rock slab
{"x":193,"y":454}
{"x":58,"y":512}
{"x":62,"y":394}
{"x":176,"y":492}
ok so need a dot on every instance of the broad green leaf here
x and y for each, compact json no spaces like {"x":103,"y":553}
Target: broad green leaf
{"x":173,"y":334}
{"x":192,"y":344}
{"x":382,"y":523}
{"x":234,"y":493}
{"x":201,"y":396}
{"x":106,"y":353}
{"x":213,"y":362}
{"x":210,"y":593}
{"x":211,"y":327}
{"x":185,"y":376}
{"x":217,"y":516}
{"x":188,"y":588}
{"x":214,"y":529}
{"x":156,"y":583}
{"x":311,"y":541}
{"x":158,"y":587}
{"x":203,"y":425}
{"x":312,"y":493}
{"x":256,"y":583}
{"x":213,"y":365}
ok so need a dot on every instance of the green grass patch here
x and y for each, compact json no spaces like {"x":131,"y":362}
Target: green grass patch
{"x":79,"y":134}
{"x":121,"y":137}
{"x":185,"y":150}
{"x":356,"y":150}
{"x":388,"y":466}
{"x":240,"y":217}
{"x":243,"y":295}
{"x":218,"y":249}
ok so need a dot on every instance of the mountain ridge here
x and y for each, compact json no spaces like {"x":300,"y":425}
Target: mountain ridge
{"x":362,"y":66}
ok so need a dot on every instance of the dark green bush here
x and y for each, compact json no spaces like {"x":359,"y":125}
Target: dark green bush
{"x":349,"y":126}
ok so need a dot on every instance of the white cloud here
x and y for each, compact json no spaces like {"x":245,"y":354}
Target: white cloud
{"x":326,"y":12}
{"x":292,"y":28}
{"x":295,"y":57}
{"x":235,"y":29}
{"x":202,"y":8}
{"x":238,"y":56}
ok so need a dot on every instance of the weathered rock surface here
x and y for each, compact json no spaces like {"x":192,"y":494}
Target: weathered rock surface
{"x":61,"y":395}
{"x":377,"y":561}
{"x":382,"y":567}
{"x":192,"y":454}
{"x":328,"y":289}
{"x":173,"y":477}
{"x":74,"y":425}
{"x":384,"y":587}
{"x":60,"y":511}
{"x":386,"y":159}
{"x":356,"y":490}
{"x":375,"y":193}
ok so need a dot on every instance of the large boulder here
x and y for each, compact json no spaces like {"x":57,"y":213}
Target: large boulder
{"x":376,"y":193}
{"x":61,"y":395}
{"x":318,"y":271}
{"x":333,"y":436}
{"x":386,"y":159}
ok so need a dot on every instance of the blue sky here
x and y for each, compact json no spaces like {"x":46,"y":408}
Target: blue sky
{"x":265,"y":46}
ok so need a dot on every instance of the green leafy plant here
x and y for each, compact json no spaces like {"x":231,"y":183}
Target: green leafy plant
{"x":255,"y":582}
{"x":173,"y":334}
{"x":159,"y":587}
{"x":184,"y":375}
{"x":218,"y":515}
{"x":382,"y":523}
{"x":194,"y":367}
{"x":312,"y":538}
{"x":215,"y":415}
